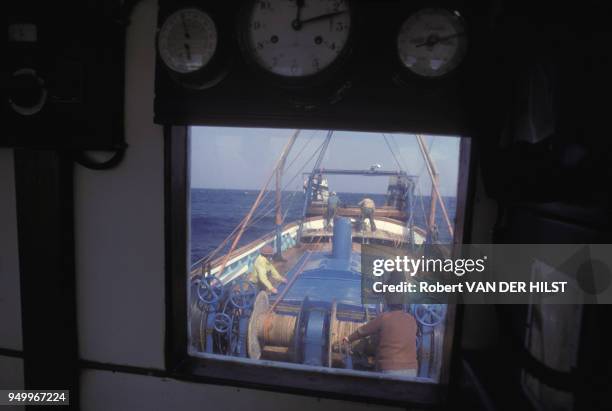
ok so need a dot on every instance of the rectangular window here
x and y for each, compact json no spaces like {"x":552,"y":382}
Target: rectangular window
{"x":278,"y":220}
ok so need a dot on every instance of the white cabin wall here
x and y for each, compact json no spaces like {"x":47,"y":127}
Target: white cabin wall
{"x":105,"y":390}
{"x":10,"y":298}
{"x":119,"y":223}
{"x":119,"y":226}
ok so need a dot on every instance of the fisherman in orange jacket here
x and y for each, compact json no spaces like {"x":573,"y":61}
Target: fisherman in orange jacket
{"x":396,"y":350}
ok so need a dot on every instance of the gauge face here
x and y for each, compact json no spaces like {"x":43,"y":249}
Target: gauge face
{"x":297,"y":38}
{"x":187,"y":40}
{"x":432,"y":42}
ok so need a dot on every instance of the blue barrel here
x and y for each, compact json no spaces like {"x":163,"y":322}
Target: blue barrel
{"x":342,"y":242}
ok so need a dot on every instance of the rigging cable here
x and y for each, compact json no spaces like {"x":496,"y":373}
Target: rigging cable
{"x":423,"y":169}
{"x":274,"y":172}
{"x":392,"y":152}
{"x":259,"y":217}
{"x":297,"y":174}
{"x":433,"y":175}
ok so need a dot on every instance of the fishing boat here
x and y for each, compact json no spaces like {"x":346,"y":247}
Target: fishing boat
{"x":321,"y":303}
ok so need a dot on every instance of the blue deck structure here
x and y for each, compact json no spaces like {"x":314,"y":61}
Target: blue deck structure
{"x":305,"y":322}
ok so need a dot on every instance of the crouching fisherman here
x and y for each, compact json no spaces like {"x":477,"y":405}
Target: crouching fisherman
{"x":367,"y":212}
{"x":263,"y":268}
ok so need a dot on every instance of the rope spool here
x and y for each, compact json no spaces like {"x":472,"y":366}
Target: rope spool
{"x":271,"y":335}
{"x":278,"y":330}
{"x":339,"y":329}
{"x":280,"y":337}
{"x":343,"y":329}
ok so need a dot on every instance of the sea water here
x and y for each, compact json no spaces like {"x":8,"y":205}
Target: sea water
{"x":215,"y":213}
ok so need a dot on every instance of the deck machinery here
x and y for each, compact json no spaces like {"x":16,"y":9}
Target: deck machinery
{"x":307,"y":320}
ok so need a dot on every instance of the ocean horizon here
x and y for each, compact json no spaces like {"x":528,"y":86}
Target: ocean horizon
{"x":215,"y":212}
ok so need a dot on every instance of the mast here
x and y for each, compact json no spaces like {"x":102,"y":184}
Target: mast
{"x":435,"y":190}
{"x":317,"y":167}
{"x":247,"y":219}
{"x":434,"y":198}
{"x":279,"y":212}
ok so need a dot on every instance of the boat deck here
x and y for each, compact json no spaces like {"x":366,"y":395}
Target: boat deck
{"x":355,"y":211}
{"x":291,"y":256}
{"x":322,"y":235}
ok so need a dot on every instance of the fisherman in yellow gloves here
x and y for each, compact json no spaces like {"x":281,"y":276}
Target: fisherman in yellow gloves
{"x":367,"y":211}
{"x":264,"y":267}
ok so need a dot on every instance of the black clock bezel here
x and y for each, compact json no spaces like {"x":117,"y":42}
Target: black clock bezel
{"x":212,"y":72}
{"x":326,"y":80}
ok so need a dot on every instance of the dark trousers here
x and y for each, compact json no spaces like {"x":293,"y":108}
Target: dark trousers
{"x":330,"y":214}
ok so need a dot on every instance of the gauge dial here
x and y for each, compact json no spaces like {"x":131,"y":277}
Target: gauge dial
{"x":29,"y":94}
{"x":297,"y":38}
{"x":187,"y":40}
{"x":432,"y":42}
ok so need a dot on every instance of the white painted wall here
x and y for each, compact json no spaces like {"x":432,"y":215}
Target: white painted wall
{"x":116,"y":391}
{"x":119,"y":220}
{"x":10,"y":298}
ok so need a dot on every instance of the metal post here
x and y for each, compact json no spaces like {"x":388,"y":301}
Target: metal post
{"x":278,"y":256}
{"x":279,"y":212}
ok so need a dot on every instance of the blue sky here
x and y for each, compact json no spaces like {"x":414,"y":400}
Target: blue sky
{"x":242,"y":158}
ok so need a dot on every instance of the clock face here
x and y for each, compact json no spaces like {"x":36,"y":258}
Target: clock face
{"x":297,"y":38}
{"x":432,"y":42}
{"x":187,"y":40}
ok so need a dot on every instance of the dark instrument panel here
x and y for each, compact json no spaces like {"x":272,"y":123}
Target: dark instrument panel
{"x":365,"y":65}
{"x":61,"y":75}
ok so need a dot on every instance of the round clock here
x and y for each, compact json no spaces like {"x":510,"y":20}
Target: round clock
{"x":431,"y":43}
{"x":187,"y":40}
{"x":297,"y":39}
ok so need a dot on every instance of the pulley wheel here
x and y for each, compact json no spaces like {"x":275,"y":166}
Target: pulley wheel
{"x":429,"y":315}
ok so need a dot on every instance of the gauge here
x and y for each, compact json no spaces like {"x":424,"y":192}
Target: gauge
{"x":297,"y":38}
{"x":28,"y":94}
{"x":432,"y":42}
{"x":187,"y":40}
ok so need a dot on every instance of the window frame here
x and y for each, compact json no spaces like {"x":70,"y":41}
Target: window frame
{"x":240,"y":373}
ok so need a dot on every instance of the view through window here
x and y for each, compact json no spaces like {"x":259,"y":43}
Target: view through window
{"x":279,"y":221}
